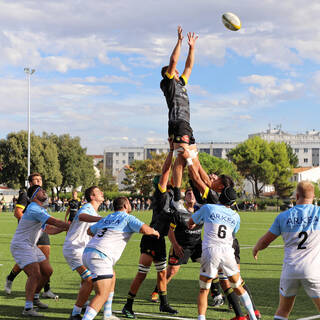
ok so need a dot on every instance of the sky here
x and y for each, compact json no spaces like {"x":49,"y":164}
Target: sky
{"x":98,"y":68}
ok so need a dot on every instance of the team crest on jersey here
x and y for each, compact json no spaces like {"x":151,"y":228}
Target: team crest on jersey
{"x":185,"y":139}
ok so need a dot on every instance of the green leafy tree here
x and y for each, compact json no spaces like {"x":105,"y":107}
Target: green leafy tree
{"x":75,"y":165}
{"x":293,"y":158}
{"x":140,"y":174}
{"x":43,"y":159}
{"x":107,"y":182}
{"x":283,"y":165}
{"x":253,"y":159}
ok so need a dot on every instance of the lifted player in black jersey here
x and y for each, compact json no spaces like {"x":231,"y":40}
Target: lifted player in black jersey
{"x":177,"y":100}
{"x":151,"y":248}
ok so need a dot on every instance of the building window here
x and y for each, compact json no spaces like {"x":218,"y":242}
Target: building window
{"x":296,"y":150}
{"x":305,"y":150}
{"x":117,"y":161}
{"x":123,"y":153}
{"x":117,"y":154}
{"x":138,"y":153}
{"x":305,"y":160}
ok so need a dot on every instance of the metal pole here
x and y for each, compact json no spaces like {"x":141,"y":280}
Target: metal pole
{"x":29,"y":72}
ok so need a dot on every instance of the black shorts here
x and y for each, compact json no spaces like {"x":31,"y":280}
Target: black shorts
{"x":156,"y":248}
{"x":43,"y":240}
{"x":236,"y":247}
{"x":181,"y":132}
{"x":71,"y":216}
{"x":189,"y":252}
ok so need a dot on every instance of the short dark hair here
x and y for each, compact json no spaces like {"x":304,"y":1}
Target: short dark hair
{"x":164,"y":70}
{"x":32,"y":175}
{"x":227,"y":181}
{"x":89,"y":192}
{"x":188,"y":190}
{"x":32,"y":190}
{"x":119,"y":203}
{"x":227,"y":196}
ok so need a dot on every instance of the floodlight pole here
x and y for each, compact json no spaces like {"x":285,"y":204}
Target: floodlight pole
{"x":29,"y":72}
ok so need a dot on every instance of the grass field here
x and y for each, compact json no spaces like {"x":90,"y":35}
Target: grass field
{"x":261,"y":276}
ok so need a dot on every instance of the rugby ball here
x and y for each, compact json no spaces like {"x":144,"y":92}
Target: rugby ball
{"x":231,"y":21}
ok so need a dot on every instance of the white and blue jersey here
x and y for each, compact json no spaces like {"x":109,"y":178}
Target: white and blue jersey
{"x":112,"y":233}
{"x":300,"y":229}
{"x":220,"y":224}
{"x":77,"y":237}
{"x":30,"y":226}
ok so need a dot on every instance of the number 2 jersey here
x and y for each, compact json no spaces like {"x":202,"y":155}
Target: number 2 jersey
{"x":112,"y":233}
{"x":300,"y":229}
{"x":220,"y":225}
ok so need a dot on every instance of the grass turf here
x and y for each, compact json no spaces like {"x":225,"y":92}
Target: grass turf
{"x":262,"y":276}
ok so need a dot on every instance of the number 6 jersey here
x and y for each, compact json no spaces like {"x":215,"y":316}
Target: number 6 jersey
{"x":220,"y":224}
{"x":300,"y":229}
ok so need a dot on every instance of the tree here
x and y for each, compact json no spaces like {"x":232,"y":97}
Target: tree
{"x":107,"y":182}
{"x":262,"y":163}
{"x":140,"y":174}
{"x":75,"y":166}
{"x":43,"y":159}
{"x":293,"y":158}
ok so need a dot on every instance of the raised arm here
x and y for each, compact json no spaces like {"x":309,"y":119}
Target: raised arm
{"x":89,"y":218}
{"x":190,"y":59}
{"x":175,"y":53}
{"x":166,"y":167}
{"x":263,"y":243}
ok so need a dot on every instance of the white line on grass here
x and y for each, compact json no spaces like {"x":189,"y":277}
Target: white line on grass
{"x":152,"y":315}
{"x":309,"y":318}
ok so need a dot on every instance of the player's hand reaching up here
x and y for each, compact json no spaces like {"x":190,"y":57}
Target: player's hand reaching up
{"x":192,"y":38}
{"x":180,"y":36}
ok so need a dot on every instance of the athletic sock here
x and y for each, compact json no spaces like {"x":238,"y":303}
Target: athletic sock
{"x":28,"y":305}
{"x":130,"y":300}
{"x":215,"y":287}
{"x":246,"y":302}
{"x":156,"y":289}
{"x":234,"y":302}
{"x":76,"y":310}
{"x":36,"y":296}
{"x":176,"y":194}
{"x":163,"y":298}
{"x":201,"y":317}
{"x":107,"y":311}
{"x":47,"y":286}
{"x":279,"y":318}
{"x":245,"y":287}
{"x":12,"y":275}
{"x":89,"y":314}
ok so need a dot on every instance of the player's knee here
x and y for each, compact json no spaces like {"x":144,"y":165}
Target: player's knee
{"x":142,"y":269}
{"x":160,"y":266}
{"x":204,"y":285}
{"x":236,"y":285}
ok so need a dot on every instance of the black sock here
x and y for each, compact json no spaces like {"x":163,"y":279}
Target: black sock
{"x":156,"y":289}
{"x":12,"y":275}
{"x":176,"y":194}
{"x":244,"y":285}
{"x":130,"y":299}
{"x":215,"y":287}
{"x":47,"y":286}
{"x":163,"y":298}
{"x":234,"y":302}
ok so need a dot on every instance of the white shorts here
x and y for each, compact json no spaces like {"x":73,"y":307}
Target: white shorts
{"x":289,"y":287}
{"x":213,"y":259}
{"x":100,"y":265}
{"x":74,"y":258}
{"x":27,"y":255}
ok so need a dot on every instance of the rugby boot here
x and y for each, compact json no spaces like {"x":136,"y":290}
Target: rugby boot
{"x":8,"y":286}
{"x":75,"y":317}
{"x":39,"y":304}
{"x":257,"y":313}
{"x":167,"y":308}
{"x":50,"y":295}
{"x":31,"y":313}
{"x":128,"y":313}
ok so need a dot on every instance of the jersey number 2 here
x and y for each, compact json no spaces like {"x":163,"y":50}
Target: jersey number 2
{"x":304,"y":239}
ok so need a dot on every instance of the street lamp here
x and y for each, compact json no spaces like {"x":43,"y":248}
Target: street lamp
{"x":29,"y":72}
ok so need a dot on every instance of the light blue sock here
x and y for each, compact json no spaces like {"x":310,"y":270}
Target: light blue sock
{"x":89,"y":314}
{"x":201,"y":317}
{"x":76,"y":310}
{"x":279,"y":318}
{"x":28,"y":305}
{"x":36,"y":296}
{"x":246,"y":302}
{"x":107,"y":312}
